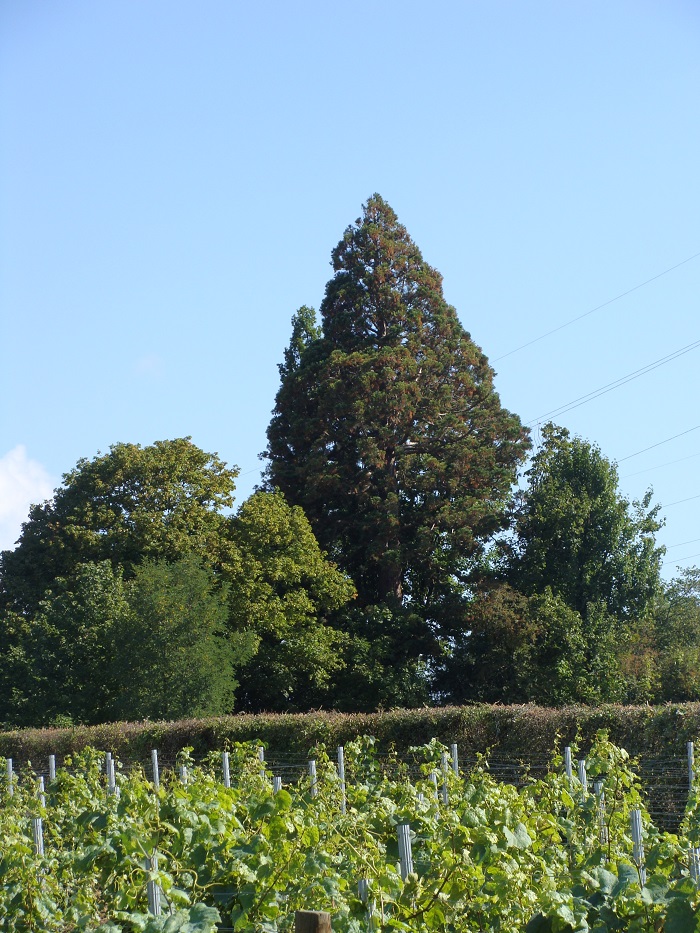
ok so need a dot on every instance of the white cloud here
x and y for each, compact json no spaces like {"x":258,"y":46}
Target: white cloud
{"x":23,"y":482}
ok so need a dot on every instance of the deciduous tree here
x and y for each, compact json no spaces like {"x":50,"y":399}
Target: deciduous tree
{"x":577,"y":534}
{"x":283,"y":591}
{"x":160,"y":502}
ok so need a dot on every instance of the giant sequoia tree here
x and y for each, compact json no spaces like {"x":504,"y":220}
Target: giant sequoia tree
{"x":387,"y":429}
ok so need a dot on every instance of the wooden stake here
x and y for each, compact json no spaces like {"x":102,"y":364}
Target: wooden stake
{"x":312,"y":921}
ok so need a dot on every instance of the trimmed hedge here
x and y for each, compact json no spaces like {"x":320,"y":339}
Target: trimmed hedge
{"x":519,"y":733}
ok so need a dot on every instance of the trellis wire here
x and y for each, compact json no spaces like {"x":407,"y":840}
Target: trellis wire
{"x":664,"y":780}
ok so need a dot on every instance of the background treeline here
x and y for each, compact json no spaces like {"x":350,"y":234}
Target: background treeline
{"x":408,"y":545}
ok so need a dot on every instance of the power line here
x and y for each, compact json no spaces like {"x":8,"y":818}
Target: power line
{"x":670,"y":547}
{"x":658,"y":467}
{"x":678,"y":502}
{"x":644,"y":450}
{"x":597,"y":308}
{"x":681,"y":559}
{"x":603,"y":390}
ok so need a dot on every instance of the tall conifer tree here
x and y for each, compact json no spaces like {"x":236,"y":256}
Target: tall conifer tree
{"x":387,"y":429}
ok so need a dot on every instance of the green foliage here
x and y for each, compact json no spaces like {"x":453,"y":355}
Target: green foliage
{"x":387,"y":429}
{"x":159,"y":502}
{"x":677,"y":629}
{"x":282,"y":591}
{"x":545,"y":857}
{"x":132,"y":595}
{"x":157,"y":646}
{"x":533,"y":650}
{"x":569,"y":659}
{"x":577,"y":535}
{"x":59,"y":665}
{"x":385,"y":666}
{"x":485,"y":661}
{"x":173,"y":653}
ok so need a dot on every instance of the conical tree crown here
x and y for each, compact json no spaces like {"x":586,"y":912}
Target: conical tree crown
{"x":383,"y":291}
{"x":388,"y":430}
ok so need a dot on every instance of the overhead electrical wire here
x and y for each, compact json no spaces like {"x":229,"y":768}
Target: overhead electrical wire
{"x":659,"y":466}
{"x":652,"y":446}
{"x":603,"y":390}
{"x":679,"y":560}
{"x":669,"y":547}
{"x":597,"y":308}
{"x":678,"y":502}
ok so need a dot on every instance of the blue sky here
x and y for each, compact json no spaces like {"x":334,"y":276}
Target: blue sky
{"x":173,"y":177}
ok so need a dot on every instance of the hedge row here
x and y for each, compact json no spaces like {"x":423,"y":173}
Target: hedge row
{"x":519,"y":733}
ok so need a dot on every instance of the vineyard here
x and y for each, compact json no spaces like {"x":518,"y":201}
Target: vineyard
{"x":421,"y":845}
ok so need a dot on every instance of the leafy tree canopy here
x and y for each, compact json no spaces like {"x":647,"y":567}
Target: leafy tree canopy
{"x":133,"y":503}
{"x":175,"y":652}
{"x":520,"y":649}
{"x":101,"y":648}
{"x":677,"y":631}
{"x":579,"y":536}
{"x":387,"y":429}
{"x":283,"y":589}
{"x":54,"y":664}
